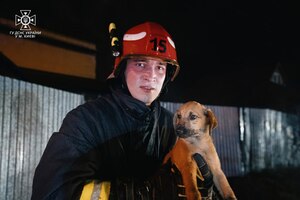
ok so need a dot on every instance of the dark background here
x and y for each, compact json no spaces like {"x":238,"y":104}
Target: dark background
{"x":227,"y":50}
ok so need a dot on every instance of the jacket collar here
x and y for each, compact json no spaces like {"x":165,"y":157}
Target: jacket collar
{"x":134,"y":107}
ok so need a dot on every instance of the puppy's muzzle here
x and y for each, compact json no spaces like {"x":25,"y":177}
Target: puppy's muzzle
{"x":183,"y":132}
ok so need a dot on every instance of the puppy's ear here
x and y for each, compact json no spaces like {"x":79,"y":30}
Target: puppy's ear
{"x":212,"y":120}
{"x":175,"y":117}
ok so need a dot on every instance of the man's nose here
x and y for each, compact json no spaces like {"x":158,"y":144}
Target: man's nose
{"x":150,"y":72}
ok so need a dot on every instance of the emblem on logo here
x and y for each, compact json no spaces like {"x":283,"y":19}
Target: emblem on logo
{"x":25,"y":20}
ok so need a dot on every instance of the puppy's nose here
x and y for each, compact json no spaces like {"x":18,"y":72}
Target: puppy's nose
{"x":180,"y":130}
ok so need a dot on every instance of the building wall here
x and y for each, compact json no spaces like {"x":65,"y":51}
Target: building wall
{"x":48,"y":52}
{"x":29,"y":114}
{"x":246,"y":139}
{"x":269,"y":139}
{"x":252,"y":139}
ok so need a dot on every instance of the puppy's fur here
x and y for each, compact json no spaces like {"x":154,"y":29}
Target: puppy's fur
{"x":193,"y":124}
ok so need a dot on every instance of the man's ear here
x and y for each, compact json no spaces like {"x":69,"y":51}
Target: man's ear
{"x":212,"y":120}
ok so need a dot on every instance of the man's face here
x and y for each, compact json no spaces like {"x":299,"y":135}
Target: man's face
{"x":145,"y":77}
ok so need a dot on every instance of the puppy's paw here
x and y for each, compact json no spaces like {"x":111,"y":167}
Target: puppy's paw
{"x":193,"y":194}
{"x":229,"y":194}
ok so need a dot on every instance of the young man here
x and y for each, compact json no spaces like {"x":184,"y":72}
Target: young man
{"x":122,"y":134}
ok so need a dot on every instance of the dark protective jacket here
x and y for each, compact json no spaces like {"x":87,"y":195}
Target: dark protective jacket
{"x":112,"y":136}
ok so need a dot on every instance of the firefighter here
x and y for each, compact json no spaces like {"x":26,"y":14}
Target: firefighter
{"x":120,"y":138}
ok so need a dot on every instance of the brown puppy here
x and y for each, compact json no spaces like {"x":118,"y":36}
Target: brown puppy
{"x":193,"y":124}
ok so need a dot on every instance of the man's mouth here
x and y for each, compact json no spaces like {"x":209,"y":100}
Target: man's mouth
{"x":147,"y":88}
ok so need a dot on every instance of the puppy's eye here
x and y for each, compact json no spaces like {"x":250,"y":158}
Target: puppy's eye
{"x":179,"y":116}
{"x":193,"y":117}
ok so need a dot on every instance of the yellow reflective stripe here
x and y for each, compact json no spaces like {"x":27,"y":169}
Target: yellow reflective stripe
{"x":87,"y":191}
{"x":104,"y":190}
{"x":199,"y":174}
{"x":96,"y":191}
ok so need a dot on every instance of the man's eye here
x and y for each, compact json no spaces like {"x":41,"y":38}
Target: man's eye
{"x":140,"y":64}
{"x":193,"y":117}
{"x":163,"y":68}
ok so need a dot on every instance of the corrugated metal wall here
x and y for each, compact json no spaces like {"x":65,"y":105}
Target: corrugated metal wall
{"x":250,"y":139}
{"x":226,"y":136}
{"x":246,"y":139}
{"x":29,"y":114}
{"x":269,"y":139}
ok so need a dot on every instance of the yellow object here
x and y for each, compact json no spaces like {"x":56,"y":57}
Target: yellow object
{"x":96,"y":191}
{"x":114,"y":40}
{"x":87,"y":191}
{"x":104,"y":190}
{"x":111,"y":26}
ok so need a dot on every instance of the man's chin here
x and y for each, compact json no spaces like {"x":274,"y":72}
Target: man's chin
{"x":147,"y":99}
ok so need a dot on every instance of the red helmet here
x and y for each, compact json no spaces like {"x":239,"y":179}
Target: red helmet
{"x":149,"y":39}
